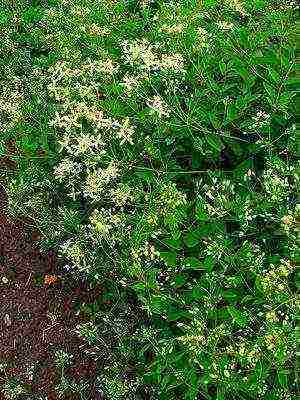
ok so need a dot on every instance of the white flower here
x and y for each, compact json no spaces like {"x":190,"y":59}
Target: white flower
{"x":109,"y":67}
{"x":261,"y":115}
{"x":86,"y":143}
{"x":172,"y":29}
{"x":96,"y":30}
{"x":157,"y":105}
{"x":126,"y":132}
{"x":99,"y":66}
{"x":262,"y":118}
{"x":140,"y":52}
{"x":99,"y":221}
{"x":237,"y":6}
{"x":130,"y":82}
{"x":174,"y":62}
{"x":101,"y":122}
{"x":224,"y":25}
{"x":202,"y":33}
{"x":98,"y":180}
{"x":65,"y":168}
{"x":122,"y":194}
{"x":271,"y":316}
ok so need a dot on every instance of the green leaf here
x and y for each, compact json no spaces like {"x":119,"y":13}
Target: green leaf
{"x":180,"y":280}
{"x":220,"y":314}
{"x":146,"y":175}
{"x":275,"y":77}
{"x":200,"y":210}
{"x":272,"y":94}
{"x":158,"y":304}
{"x":32,"y":14}
{"x":214,"y":141}
{"x":242,"y":168}
{"x":191,"y":239}
{"x":175,"y":314}
{"x":169,"y":257}
{"x":282,"y":378}
{"x":139,"y":287}
{"x":196,"y":157}
{"x":4,"y":16}
{"x":231,"y":295}
{"x":175,"y":232}
{"x":232,"y":113}
{"x":222,"y":67}
{"x":192,"y":263}
{"x":198,"y":293}
{"x":174,"y":243}
{"x":241,"y":318}
{"x":2,"y":149}
{"x":209,"y":263}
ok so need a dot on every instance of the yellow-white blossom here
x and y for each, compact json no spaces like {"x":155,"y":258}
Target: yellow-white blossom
{"x":236,"y":5}
{"x":122,"y":194}
{"x":131,"y":82}
{"x":173,"y":62}
{"x":143,"y":54}
{"x":140,"y":52}
{"x":99,"y":222}
{"x":126,"y":131}
{"x":288,"y":220}
{"x":157,"y":105}
{"x":173,"y":29}
{"x":66,"y":168}
{"x":80,"y":11}
{"x":99,"y":66}
{"x":224,"y":25}
{"x":97,"y":180}
{"x":202,"y":33}
{"x":96,"y":30}
{"x":271,"y":316}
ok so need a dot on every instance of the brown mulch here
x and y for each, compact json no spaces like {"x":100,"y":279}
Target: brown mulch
{"x":37,"y":317}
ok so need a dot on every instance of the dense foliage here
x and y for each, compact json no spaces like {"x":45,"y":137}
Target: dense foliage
{"x":154,"y":145}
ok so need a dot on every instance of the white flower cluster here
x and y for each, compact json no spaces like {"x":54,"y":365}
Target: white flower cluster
{"x":65,"y":80}
{"x":126,"y":132}
{"x":173,"y":29}
{"x":236,"y":5}
{"x":224,"y":25}
{"x":67,"y":168}
{"x":170,"y":199}
{"x":131,"y":82}
{"x":74,"y":251}
{"x":142,"y":53}
{"x":96,"y":30}
{"x":97,"y":180}
{"x":11,"y":97}
{"x":202,"y":36}
{"x":122,"y":194}
{"x":77,"y":144}
{"x":158,"y":106}
{"x":276,"y":186}
{"x":220,"y":193}
{"x":108,"y":225}
{"x":262,"y":118}
{"x":173,"y":62}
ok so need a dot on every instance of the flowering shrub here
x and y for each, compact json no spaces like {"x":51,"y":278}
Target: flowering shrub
{"x":169,"y":172}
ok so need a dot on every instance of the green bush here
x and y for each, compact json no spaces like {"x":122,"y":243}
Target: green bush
{"x":157,"y":153}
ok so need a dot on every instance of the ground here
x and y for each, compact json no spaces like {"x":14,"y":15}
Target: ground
{"x":37,"y":317}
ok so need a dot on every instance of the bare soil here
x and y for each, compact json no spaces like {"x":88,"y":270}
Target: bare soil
{"x":37,"y":318}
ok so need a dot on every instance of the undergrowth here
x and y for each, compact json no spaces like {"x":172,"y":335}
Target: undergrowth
{"x":154,"y":145}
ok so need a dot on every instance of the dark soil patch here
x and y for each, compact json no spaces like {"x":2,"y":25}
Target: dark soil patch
{"x":37,"y":319}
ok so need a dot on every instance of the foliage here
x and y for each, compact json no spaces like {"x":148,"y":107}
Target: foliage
{"x":156,"y":152}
